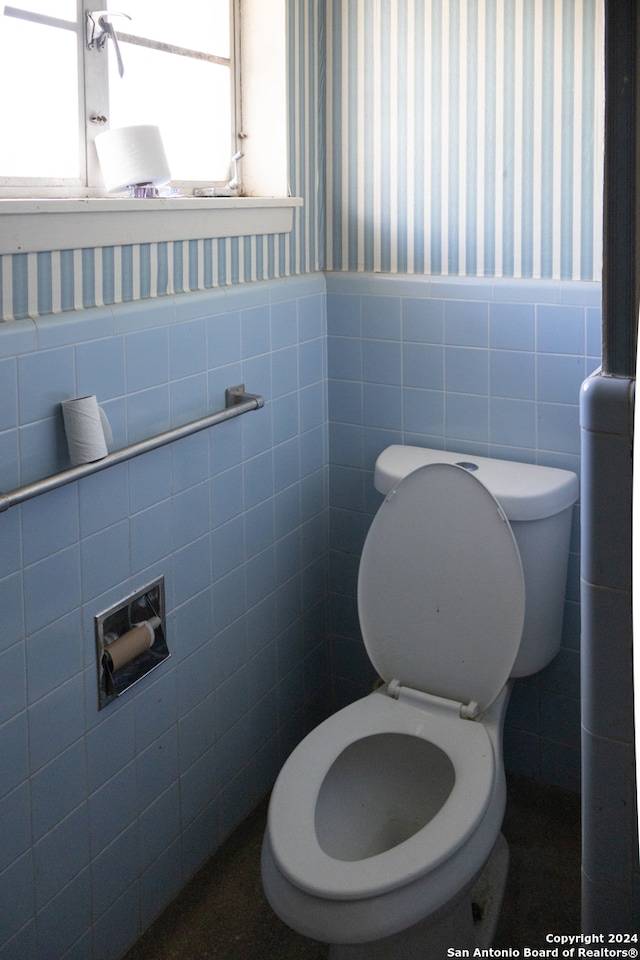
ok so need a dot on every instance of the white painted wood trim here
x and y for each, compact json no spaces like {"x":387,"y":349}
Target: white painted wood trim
{"x":29,"y":226}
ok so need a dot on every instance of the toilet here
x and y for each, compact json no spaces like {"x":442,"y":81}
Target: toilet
{"x":383,"y":832}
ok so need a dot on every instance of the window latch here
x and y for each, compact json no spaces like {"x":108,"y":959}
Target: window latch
{"x":98,"y":30}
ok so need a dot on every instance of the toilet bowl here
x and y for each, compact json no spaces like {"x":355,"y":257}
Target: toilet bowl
{"x":439,"y":802}
{"x":384,"y":816}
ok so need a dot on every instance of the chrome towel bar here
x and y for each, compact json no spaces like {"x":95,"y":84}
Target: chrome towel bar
{"x":237,"y":402}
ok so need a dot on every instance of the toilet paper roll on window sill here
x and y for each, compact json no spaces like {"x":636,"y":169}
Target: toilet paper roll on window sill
{"x":132,"y":156}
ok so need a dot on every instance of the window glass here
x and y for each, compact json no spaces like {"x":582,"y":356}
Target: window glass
{"x":41,"y":114}
{"x":152,"y":91}
{"x":176,"y":76}
{"x":65,"y":9}
{"x":195,"y":24}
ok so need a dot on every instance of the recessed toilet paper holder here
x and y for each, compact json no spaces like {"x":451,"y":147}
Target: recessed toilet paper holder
{"x":130,"y":641}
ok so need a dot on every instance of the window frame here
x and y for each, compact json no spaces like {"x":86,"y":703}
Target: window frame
{"x":92,"y":100}
{"x":41,"y":225}
{"x":29,"y":225}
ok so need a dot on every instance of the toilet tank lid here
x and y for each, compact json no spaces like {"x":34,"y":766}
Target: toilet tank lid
{"x":525,"y":491}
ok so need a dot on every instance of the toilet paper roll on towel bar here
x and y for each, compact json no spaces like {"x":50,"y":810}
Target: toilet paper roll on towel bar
{"x":237,"y":402}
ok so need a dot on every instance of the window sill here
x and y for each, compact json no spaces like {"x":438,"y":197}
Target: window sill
{"x":30,"y":226}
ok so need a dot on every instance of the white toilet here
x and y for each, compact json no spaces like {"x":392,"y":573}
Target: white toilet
{"x":383,"y":835}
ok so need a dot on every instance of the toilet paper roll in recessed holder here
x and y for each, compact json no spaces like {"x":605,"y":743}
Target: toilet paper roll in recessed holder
{"x":130,"y":641}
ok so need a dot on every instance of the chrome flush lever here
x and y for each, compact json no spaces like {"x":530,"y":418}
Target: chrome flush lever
{"x":98,"y":30}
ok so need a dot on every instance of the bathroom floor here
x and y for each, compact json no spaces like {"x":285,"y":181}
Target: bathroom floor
{"x":222,"y":913}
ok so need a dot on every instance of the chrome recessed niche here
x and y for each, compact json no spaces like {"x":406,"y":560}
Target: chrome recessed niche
{"x":130,"y":641}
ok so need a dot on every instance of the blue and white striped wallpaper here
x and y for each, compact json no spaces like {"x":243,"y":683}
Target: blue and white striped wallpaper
{"x":438,"y":137}
{"x":35,"y":284}
{"x":464,"y":137}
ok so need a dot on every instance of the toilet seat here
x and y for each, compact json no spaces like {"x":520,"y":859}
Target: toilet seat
{"x":440,"y":587}
{"x":441,"y":604}
{"x":292,"y":811}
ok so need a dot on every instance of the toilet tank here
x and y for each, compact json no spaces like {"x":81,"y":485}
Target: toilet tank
{"x":538,"y":503}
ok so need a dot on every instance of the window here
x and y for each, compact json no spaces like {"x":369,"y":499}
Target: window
{"x":47,"y":156}
{"x":178,"y":61}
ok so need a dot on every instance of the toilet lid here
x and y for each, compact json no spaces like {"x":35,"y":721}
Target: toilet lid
{"x":440,"y":587}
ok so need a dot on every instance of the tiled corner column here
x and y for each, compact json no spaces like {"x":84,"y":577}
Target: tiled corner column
{"x":610,"y":845}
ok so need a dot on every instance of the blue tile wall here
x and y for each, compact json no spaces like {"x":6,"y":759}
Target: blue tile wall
{"x":262,"y":618}
{"x":106,"y":814}
{"x":487,"y":367}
